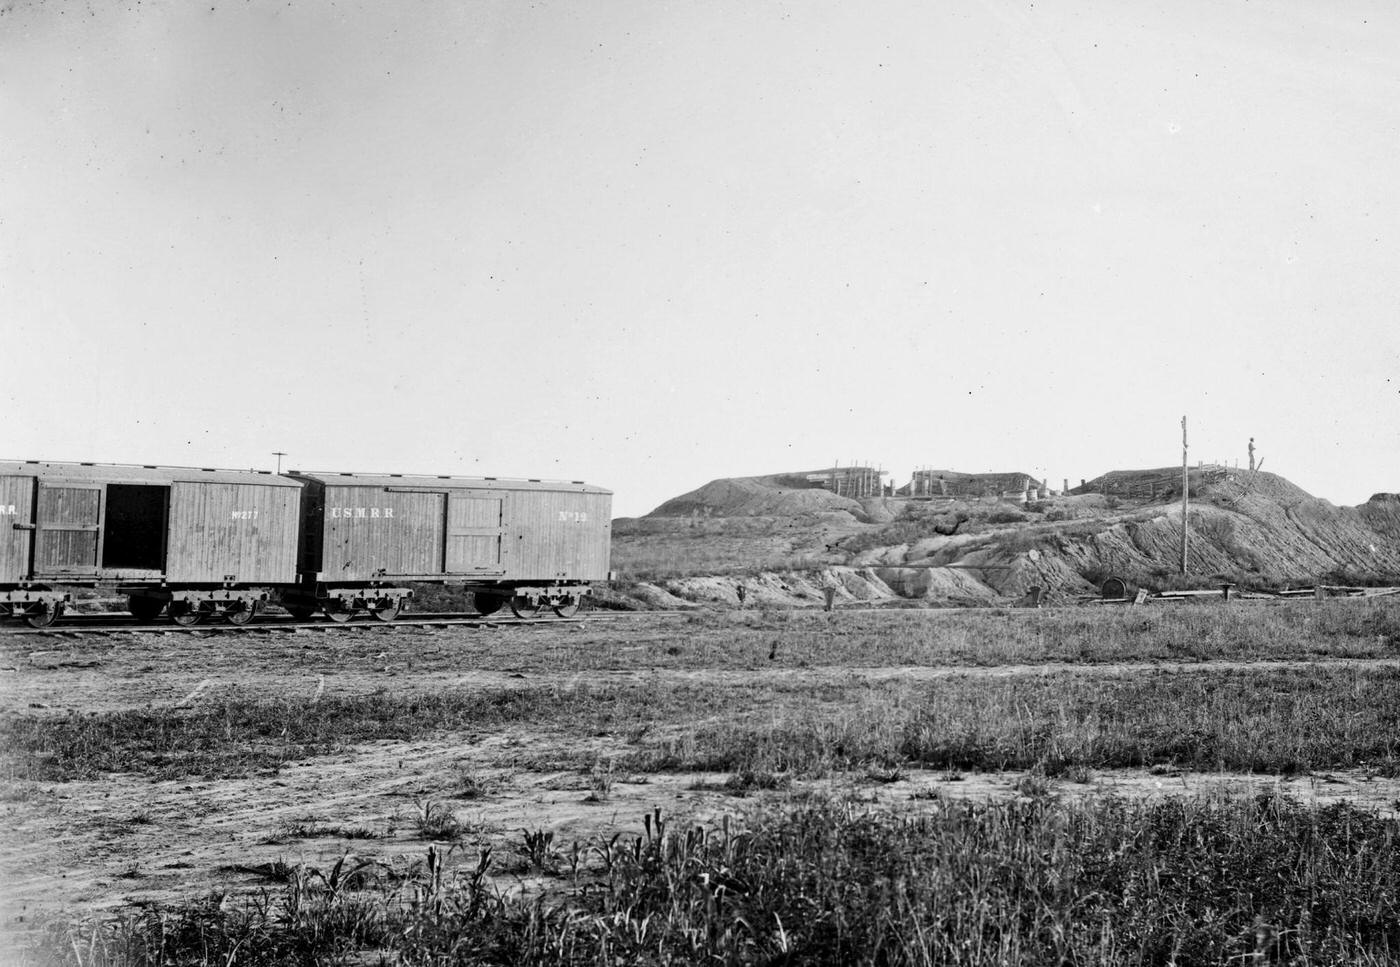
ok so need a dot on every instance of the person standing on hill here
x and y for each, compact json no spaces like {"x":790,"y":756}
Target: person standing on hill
{"x":1251,"y":453}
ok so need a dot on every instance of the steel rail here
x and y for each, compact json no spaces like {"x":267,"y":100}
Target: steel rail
{"x":119,"y":622}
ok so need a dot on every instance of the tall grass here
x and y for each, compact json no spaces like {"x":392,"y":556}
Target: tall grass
{"x":237,"y":734}
{"x":988,"y":637}
{"x":1032,"y":882}
{"x":1278,"y":720}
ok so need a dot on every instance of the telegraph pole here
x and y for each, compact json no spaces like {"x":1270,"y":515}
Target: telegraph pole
{"x":1185,"y":492}
{"x":279,"y":454}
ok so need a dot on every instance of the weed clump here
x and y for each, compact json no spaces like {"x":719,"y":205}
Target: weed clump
{"x":436,"y":821}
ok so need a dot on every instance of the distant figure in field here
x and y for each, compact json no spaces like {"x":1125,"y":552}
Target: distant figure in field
{"x":743,"y":593}
{"x":829,"y":592}
{"x":1251,"y":453}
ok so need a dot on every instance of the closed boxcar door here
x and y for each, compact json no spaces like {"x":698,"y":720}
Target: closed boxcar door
{"x":68,"y":529}
{"x":16,"y":527}
{"x":473,"y":533}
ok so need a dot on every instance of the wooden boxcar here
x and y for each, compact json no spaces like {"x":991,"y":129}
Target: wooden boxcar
{"x":188,"y":539}
{"x":200,"y":542}
{"x":529,"y":543}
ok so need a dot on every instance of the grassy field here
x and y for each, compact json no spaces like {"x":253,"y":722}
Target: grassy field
{"x":781,"y":639}
{"x":1102,"y":635}
{"x":1028,"y":882}
{"x":376,"y":795}
{"x":1277,"y":721}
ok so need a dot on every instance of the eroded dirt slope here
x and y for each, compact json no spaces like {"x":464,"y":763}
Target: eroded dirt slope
{"x":787,"y":542}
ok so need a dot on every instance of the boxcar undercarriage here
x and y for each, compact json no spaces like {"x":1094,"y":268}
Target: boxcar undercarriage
{"x":41,"y":605}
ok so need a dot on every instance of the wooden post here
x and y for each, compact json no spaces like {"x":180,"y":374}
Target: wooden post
{"x":1185,"y":494}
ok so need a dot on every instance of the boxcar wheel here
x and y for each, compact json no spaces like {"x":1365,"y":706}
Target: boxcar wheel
{"x":145,"y":610}
{"x":243,"y":615}
{"x":185,"y":614}
{"x":387,"y":611}
{"x":45,"y":616}
{"x":487,"y":604}
{"x":338,"y":616}
{"x":523,"y":607}
{"x":569,"y":607}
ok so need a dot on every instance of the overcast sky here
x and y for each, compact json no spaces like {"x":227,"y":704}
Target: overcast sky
{"x":648,"y":244}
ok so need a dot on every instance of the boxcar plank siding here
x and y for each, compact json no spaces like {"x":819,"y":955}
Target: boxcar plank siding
{"x":65,"y":550}
{"x":216,"y":525}
{"x":68,"y":529}
{"x":246,"y":533}
{"x":473,"y":533}
{"x":470,"y":511}
{"x":561,"y":535}
{"x":372,"y":532}
{"x":16,"y":513}
{"x":69,"y":505}
{"x":402,"y":527}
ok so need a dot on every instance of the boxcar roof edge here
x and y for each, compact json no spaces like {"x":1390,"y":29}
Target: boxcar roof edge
{"x":141,"y":473}
{"x":446,"y":482}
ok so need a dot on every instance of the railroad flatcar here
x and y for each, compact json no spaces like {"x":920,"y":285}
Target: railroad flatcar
{"x":202,"y":542}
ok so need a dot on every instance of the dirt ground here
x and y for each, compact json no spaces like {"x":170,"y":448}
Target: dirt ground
{"x":94,"y":848}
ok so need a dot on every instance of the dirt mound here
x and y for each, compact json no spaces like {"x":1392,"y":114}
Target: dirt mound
{"x":1256,"y":483}
{"x":638,"y":596}
{"x":786,"y":589}
{"x":778,"y":495}
{"x":880,"y":510}
{"x":958,"y":585}
{"x":1164,"y":484}
{"x":807,"y":589}
{"x":1250,"y":528}
{"x":1382,"y":514}
{"x":1247,"y":538}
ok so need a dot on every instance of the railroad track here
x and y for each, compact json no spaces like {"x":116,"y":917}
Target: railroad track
{"x":121,"y":623}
